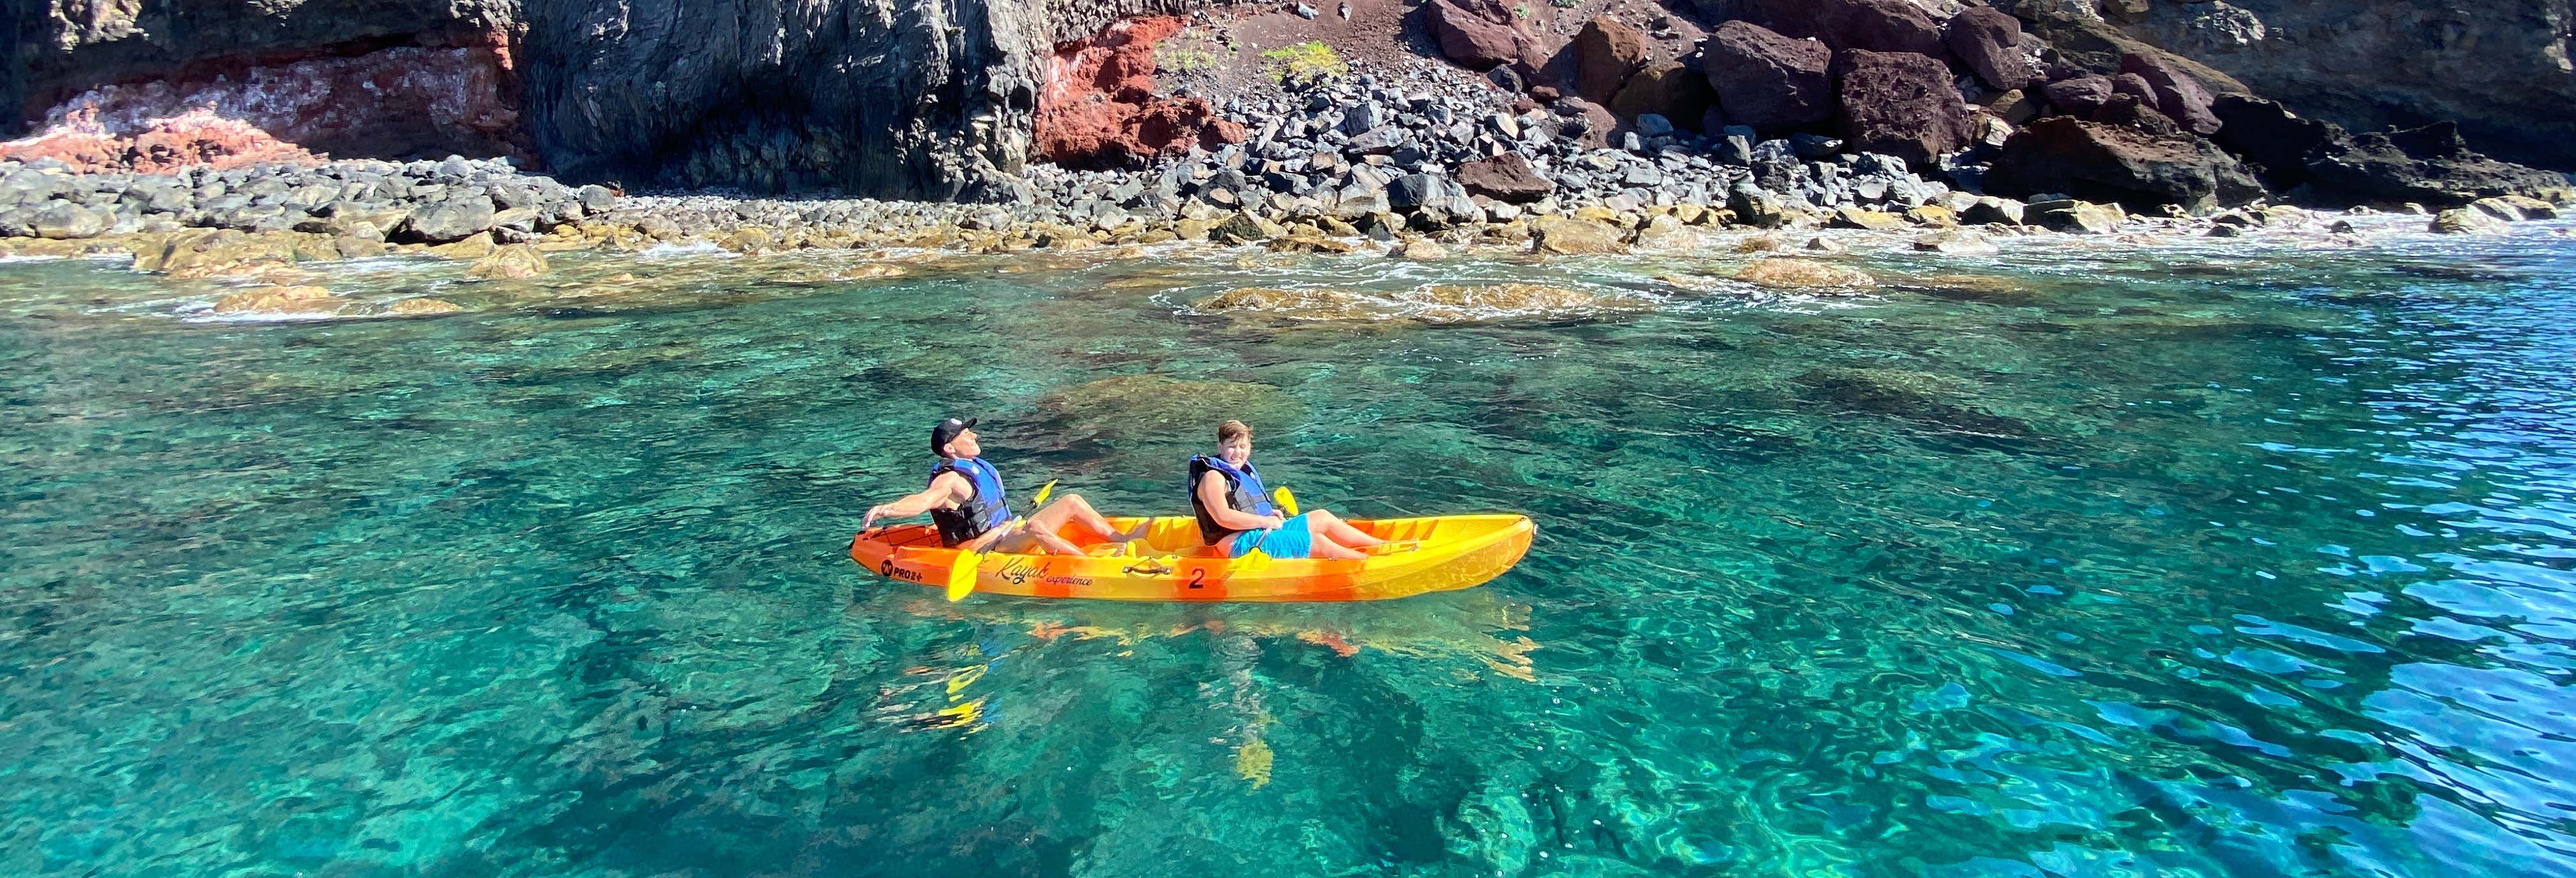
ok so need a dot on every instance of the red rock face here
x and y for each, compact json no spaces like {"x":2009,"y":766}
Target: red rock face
{"x":1099,"y":106}
{"x":394,"y":103}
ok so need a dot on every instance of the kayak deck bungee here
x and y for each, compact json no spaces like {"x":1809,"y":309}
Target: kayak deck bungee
{"x":1441,"y":553}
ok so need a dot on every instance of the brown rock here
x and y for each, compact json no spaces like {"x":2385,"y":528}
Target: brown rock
{"x":1507,"y":177}
{"x":1767,"y":80}
{"x":1875,"y":25}
{"x":1606,"y":53}
{"x":1802,"y":274}
{"x":1100,"y":106}
{"x":2176,"y":94}
{"x":2014,"y":107}
{"x":1989,"y":42}
{"x":2071,"y":156}
{"x":1669,"y":89}
{"x":1469,"y":38}
{"x":2079,"y":96}
{"x":1899,"y":104}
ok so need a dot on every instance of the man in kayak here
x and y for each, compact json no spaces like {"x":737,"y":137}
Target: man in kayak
{"x":1234,"y":508}
{"x":965,"y":500}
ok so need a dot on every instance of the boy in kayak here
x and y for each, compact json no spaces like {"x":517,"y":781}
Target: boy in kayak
{"x":965,"y":500}
{"x":1235,"y":512}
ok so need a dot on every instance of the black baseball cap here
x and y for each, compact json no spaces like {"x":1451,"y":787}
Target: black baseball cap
{"x":945,"y":431}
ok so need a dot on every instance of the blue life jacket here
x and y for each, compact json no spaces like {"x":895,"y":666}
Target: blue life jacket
{"x":980,"y":513}
{"x":1243,"y":493}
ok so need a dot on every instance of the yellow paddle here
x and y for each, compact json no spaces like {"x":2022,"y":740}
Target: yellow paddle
{"x":961,"y":573}
{"x":1287,"y":501}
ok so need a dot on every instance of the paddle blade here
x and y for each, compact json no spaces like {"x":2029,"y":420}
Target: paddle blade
{"x":961,"y":575}
{"x":1040,"y":502}
{"x":1287,"y":501}
{"x":1253,"y":561}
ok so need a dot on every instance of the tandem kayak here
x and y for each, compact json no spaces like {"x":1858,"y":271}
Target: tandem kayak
{"x":1424,"y":555}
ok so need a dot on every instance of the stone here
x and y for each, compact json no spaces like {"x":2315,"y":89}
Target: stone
{"x":2062,"y":154}
{"x":1932,"y":215}
{"x":1606,"y":53}
{"x":1848,"y":217}
{"x":63,"y":220}
{"x":2079,"y":96}
{"x":1419,"y":249}
{"x":1359,"y":200}
{"x":1957,"y":242}
{"x":1803,"y":274}
{"x":596,"y":199}
{"x":1471,"y":39}
{"x":1238,"y":227}
{"x":508,"y":262}
{"x":2467,"y":221}
{"x":2075,"y":217}
{"x":1899,"y":104}
{"x":1988,"y":209}
{"x":1567,"y":236}
{"x":1874,"y":25}
{"x":1507,"y":177}
{"x":1756,"y":206}
{"x":1376,"y":141}
{"x":465,"y":249}
{"x":423,"y":307}
{"x":1988,"y":42}
{"x":279,"y":300}
{"x":2276,"y":144}
{"x":451,"y":220}
{"x":1665,"y":90}
{"x":2177,"y":95}
{"x":1766,"y":80}
{"x":2431,"y":165}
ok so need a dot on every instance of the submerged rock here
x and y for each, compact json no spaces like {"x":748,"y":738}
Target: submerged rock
{"x":423,"y":307}
{"x":279,"y":300}
{"x":1567,"y":236}
{"x":1803,"y":274}
{"x":1941,"y":400}
{"x":1448,"y":303}
{"x":1163,"y":406}
{"x":509,"y":262}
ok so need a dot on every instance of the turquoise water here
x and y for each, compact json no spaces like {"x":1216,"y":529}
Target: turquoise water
{"x":2122,"y":561}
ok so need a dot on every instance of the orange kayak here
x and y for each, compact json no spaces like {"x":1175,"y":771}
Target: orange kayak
{"x":1424,"y":555}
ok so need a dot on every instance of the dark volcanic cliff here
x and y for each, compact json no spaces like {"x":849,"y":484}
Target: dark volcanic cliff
{"x":2500,"y":68}
{"x":914,"y":98}
{"x":938,"y":98}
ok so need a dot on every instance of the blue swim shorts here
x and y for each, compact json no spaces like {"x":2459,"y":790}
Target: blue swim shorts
{"x":1291,"y":540}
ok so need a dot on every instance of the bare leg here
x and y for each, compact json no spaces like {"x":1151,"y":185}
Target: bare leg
{"x":1325,"y":524}
{"x":1323,"y":547}
{"x":1072,"y":509}
{"x":1030,"y":538}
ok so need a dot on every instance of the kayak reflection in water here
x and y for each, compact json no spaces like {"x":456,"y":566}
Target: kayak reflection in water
{"x":1235,"y":512}
{"x":965,"y":500}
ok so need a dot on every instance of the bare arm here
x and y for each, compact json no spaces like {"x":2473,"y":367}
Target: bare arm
{"x":1212,"y":495}
{"x":947,"y":489}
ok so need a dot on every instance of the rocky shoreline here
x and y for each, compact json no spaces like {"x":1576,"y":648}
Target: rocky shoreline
{"x":1416,"y":159}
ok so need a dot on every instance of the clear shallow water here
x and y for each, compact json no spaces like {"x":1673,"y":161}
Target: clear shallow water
{"x":2179,"y":561}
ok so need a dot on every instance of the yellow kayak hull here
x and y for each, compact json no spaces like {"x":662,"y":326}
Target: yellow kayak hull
{"x":1443,"y":553}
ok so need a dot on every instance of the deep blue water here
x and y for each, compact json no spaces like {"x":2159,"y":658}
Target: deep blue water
{"x":2158,"y":560}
